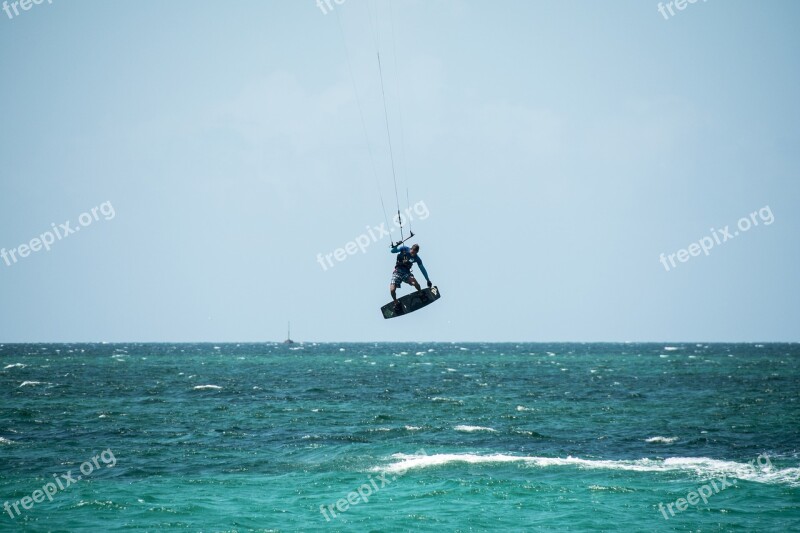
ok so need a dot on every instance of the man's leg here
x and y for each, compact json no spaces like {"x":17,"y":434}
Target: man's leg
{"x":398,"y":307}
{"x":415,"y":283}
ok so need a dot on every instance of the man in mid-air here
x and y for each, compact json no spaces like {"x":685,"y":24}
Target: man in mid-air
{"x":406,"y":257}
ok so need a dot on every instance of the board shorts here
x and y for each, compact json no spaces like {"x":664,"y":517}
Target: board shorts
{"x":400,"y":276}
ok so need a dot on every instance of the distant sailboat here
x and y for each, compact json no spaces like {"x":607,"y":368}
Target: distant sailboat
{"x":288,"y":334}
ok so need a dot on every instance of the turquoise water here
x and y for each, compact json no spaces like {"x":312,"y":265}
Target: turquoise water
{"x":436,"y":437}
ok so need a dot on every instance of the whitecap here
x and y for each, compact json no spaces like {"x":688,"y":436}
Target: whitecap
{"x":662,"y":440}
{"x":207,"y":387}
{"x":470,"y":429}
{"x":3,"y":440}
{"x":27,"y":383}
{"x":450,"y":400}
{"x":15,"y":365}
{"x":702,"y":467}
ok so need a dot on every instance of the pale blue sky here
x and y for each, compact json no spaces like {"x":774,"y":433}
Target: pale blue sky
{"x":559,"y":147}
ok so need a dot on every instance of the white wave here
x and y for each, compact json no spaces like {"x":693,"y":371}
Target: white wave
{"x":412,"y":428}
{"x":27,"y":383}
{"x":523,"y":408}
{"x":610,"y":489}
{"x":662,"y":440}
{"x":470,"y":429}
{"x":409,"y":462}
{"x":671,"y":348}
{"x":207,"y":387}
{"x":15,"y":365}
{"x":702,"y":467}
{"x":450,"y":400}
{"x":6,"y":441}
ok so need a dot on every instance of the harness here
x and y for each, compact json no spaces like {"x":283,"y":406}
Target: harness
{"x":404,"y":261}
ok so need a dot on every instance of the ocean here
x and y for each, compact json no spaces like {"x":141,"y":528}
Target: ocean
{"x":400,"y":437}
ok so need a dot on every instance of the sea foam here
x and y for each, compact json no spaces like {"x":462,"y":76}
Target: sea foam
{"x":702,"y":467}
{"x":470,"y":429}
{"x":662,"y":440}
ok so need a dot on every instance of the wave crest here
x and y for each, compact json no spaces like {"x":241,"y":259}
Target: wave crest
{"x":703,"y":467}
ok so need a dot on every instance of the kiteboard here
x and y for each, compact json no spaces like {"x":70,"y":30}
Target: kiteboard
{"x":411,"y":302}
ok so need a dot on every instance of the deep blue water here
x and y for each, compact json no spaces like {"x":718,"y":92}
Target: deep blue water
{"x":436,"y":437}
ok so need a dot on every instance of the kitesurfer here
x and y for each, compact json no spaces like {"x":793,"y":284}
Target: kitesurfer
{"x":406,"y":257}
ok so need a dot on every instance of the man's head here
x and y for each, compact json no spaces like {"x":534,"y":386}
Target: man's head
{"x":414,"y":249}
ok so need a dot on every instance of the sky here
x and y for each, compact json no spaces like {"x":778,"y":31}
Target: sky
{"x":213,"y":156}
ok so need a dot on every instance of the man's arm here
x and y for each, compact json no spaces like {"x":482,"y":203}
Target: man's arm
{"x":398,"y":249}
{"x":422,"y":269}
